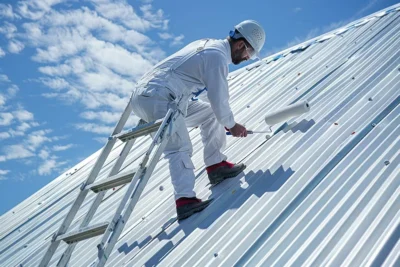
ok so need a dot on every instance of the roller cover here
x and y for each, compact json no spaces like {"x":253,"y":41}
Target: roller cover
{"x":286,"y":113}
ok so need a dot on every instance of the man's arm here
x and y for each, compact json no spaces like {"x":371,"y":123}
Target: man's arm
{"x":218,"y":95}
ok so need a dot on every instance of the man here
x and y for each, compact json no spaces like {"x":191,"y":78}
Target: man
{"x":201,"y":64}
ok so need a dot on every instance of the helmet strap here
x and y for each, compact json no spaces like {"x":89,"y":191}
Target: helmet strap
{"x":235,"y":35}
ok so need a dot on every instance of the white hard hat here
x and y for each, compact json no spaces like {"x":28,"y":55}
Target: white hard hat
{"x":254,"y":34}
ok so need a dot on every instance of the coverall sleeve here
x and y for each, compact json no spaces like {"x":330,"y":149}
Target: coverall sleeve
{"x":218,"y":94}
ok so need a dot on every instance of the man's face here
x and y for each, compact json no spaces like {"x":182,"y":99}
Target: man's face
{"x":239,"y":52}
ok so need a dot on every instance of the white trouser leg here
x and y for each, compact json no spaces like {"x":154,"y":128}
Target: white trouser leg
{"x":153,"y":105}
{"x":212,"y":133}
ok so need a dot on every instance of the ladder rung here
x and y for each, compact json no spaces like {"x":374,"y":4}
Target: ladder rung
{"x":140,"y":130}
{"x":84,"y":233}
{"x":112,"y":181}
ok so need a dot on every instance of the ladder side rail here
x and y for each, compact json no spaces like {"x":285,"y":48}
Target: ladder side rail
{"x":82,"y":194}
{"x":134,"y":197}
{"x":96,"y":203}
{"x":132,"y":185}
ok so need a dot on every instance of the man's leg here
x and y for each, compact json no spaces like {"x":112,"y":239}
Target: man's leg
{"x":178,"y":151}
{"x":212,"y":133}
{"x":214,"y":141}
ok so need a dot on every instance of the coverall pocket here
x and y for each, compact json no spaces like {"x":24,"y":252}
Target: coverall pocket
{"x":187,"y":163}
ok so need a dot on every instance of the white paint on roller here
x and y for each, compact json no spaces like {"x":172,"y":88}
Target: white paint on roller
{"x":286,"y":113}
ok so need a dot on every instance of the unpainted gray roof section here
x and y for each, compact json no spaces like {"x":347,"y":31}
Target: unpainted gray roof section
{"x":323,"y":191}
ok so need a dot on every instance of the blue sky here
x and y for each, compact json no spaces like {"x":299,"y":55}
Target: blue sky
{"x":67,"y":67}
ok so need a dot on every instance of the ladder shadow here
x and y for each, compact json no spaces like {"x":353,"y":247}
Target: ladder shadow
{"x":257,"y":184}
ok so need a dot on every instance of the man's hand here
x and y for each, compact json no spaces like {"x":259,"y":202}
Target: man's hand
{"x":238,"y":130}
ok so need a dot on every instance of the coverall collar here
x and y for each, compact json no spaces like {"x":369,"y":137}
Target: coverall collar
{"x":228,"y":51}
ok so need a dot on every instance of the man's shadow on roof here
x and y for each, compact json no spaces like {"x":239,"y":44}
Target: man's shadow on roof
{"x":228,"y":196}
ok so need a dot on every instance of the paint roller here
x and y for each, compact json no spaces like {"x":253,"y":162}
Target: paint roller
{"x":283,"y":114}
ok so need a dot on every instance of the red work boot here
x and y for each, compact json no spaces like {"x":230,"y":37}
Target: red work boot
{"x":223,"y":170}
{"x":186,"y":207}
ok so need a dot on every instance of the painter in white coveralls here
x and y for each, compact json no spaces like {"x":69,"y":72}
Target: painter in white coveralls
{"x":201,"y":64}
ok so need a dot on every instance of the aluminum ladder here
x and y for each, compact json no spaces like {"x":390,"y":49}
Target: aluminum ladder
{"x":111,"y":230}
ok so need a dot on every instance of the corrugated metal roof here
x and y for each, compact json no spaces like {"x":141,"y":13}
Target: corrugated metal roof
{"x":324,"y":190}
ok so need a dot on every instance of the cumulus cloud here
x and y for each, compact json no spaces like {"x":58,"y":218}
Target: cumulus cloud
{"x":50,"y":165}
{"x":8,"y":29}
{"x":4,"y":78}
{"x":12,"y":90}
{"x":2,"y":100}
{"x":105,"y":116}
{"x":2,"y":53}
{"x":6,"y":11}
{"x":4,"y":135}
{"x":44,"y":153}
{"x":62,"y":148}
{"x":56,"y":83}
{"x":15,"y":46}
{"x":15,"y":152}
{"x":94,"y":128}
{"x":23,"y":115}
{"x":6,"y":118}
{"x":2,"y":173}
{"x":36,"y":9}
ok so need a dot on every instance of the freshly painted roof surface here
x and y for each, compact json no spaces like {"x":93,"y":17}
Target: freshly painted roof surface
{"x":324,"y":190}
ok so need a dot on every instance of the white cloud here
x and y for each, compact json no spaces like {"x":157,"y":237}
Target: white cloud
{"x":4,"y":135}
{"x":44,"y":154}
{"x":4,"y":78}
{"x":56,"y":83}
{"x":37,"y":138}
{"x":6,"y":11}
{"x":35,"y":9}
{"x":15,"y":152}
{"x":6,"y":118}
{"x":15,"y":46}
{"x":122,"y":12}
{"x":12,"y":90}
{"x":178,"y":40}
{"x":62,"y":148}
{"x":23,"y":115}
{"x":2,"y":173}
{"x":2,"y":53}
{"x":8,"y":29}
{"x":47,"y":166}
{"x":104,"y":116}
{"x":2,"y":100}
{"x":165,"y":35}
{"x":94,"y":128}
{"x":156,"y":19}
{"x":23,"y":127}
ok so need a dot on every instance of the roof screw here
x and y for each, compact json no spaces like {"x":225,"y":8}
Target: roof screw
{"x":373,"y":124}
{"x":215,"y":254}
{"x":161,"y":188}
{"x":353,"y":133}
{"x":353,"y":78}
{"x":370,"y":99}
{"x":25,"y":246}
{"x":248,"y":106}
{"x":326,"y":66}
{"x":387,"y":162}
{"x":143,"y":218}
{"x":336,"y":123}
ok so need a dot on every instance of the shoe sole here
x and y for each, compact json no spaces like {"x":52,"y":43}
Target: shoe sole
{"x":228,"y":176}
{"x":193,"y":211}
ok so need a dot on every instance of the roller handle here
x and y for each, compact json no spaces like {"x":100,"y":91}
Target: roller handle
{"x":248,"y":132}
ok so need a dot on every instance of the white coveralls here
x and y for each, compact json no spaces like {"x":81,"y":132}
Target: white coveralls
{"x":201,"y":64}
